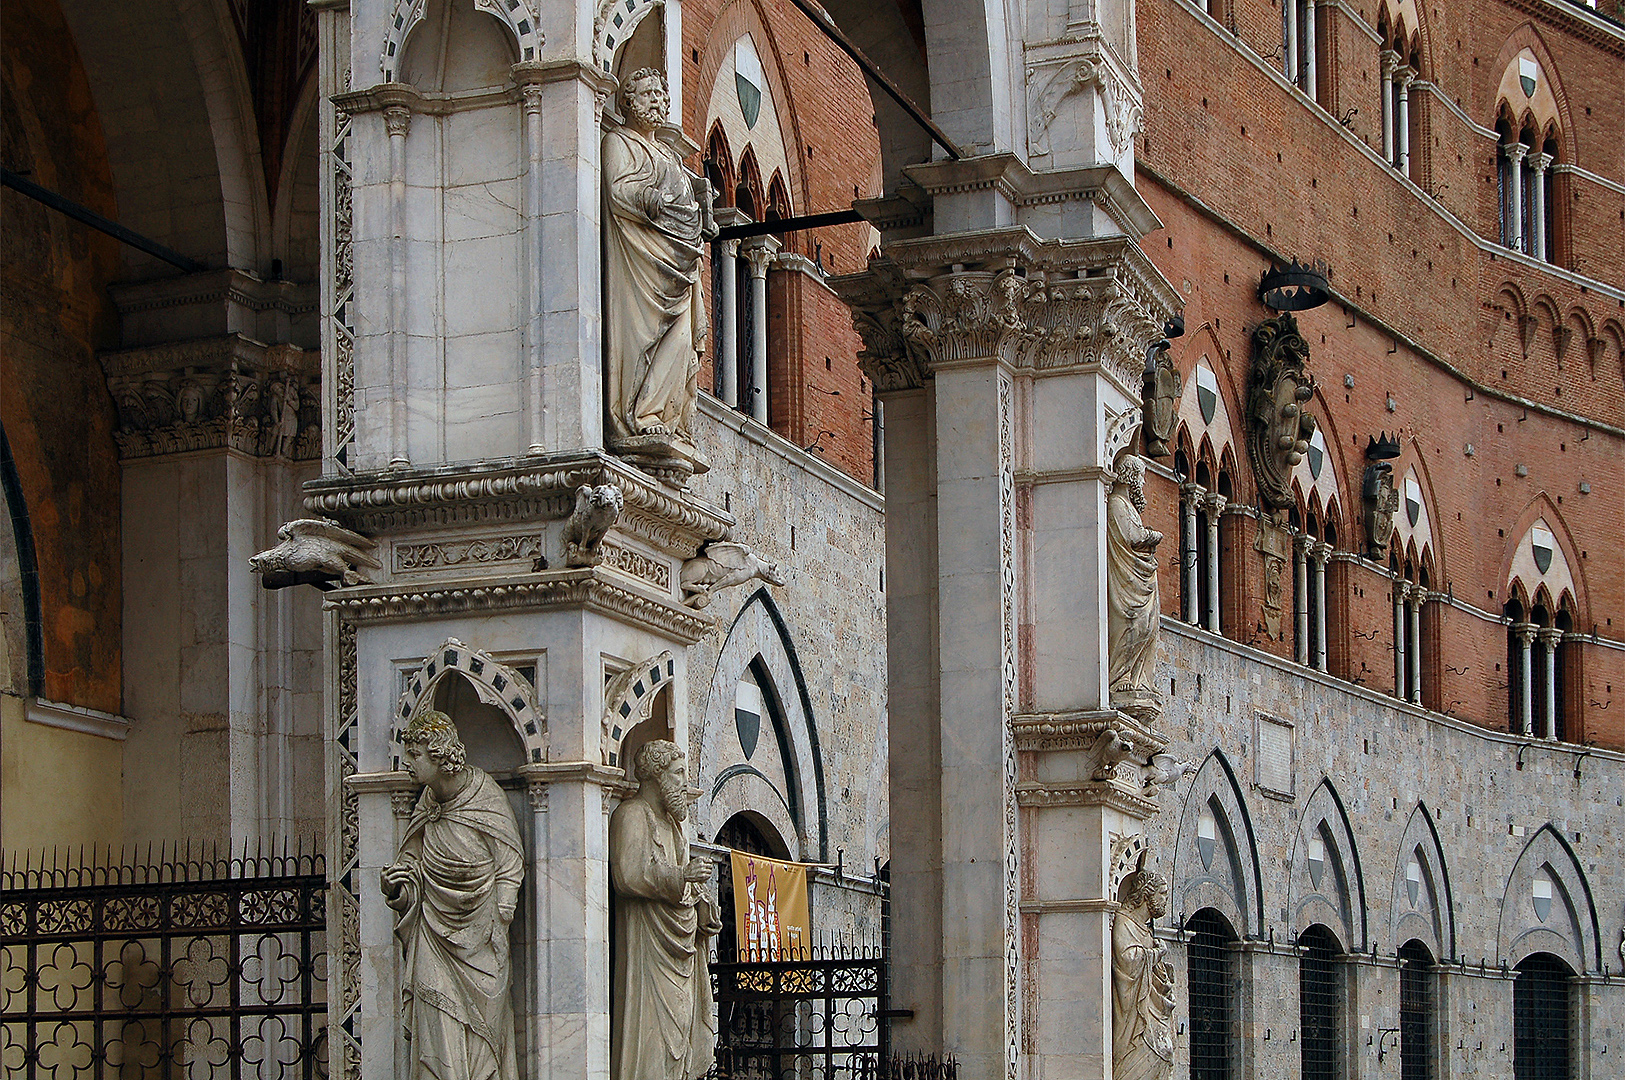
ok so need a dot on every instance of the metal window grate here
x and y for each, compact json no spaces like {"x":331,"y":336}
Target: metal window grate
{"x":1211,"y":967}
{"x":1318,"y":1004}
{"x":1541,"y":1030}
{"x":1416,"y":1012}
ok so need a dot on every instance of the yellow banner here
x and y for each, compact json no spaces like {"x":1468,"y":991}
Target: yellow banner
{"x":770,"y":908}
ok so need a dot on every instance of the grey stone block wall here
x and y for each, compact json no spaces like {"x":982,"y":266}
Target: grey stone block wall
{"x":1505,"y":836}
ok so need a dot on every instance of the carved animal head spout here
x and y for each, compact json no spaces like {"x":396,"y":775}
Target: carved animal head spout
{"x":315,"y":551}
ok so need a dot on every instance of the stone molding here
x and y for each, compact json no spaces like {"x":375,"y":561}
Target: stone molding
{"x":1005,"y":295}
{"x":439,"y":554}
{"x":77,"y":718}
{"x":517,"y":490}
{"x":542,"y":774}
{"x":636,"y":564}
{"x":1036,"y":793}
{"x":212,"y":287}
{"x":216,"y":393}
{"x":575,"y":588}
{"x":1022,"y":187}
{"x":1071,"y":731}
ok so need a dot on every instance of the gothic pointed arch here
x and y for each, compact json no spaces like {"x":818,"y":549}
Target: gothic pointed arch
{"x":1547,"y":906}
{"x":1326,"y":883}
{"x":1421,"y":905}
{"x":757,"y":744}
{"x":495,"y":685}
{"x":1548,"y":104}
{"x":1215,"y":853}
{"x":1556,"y":566}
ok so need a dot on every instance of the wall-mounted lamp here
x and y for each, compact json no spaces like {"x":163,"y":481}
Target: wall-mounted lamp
{"x":1382,"y":1037}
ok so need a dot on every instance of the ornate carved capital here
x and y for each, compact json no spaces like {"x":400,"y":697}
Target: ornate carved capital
{"x":216,"y":393}
{"x":1278,"y":421}
{"x":397,"y":120}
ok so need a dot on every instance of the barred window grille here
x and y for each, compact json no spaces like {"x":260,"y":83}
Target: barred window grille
{"x":1211,"y":971}
{"x":1416,"y":1012}
{"x":1319,"y":1004}
{"x":1541,"y":1024}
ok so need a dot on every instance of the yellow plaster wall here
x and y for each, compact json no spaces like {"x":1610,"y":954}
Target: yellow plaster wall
{"x":57,"y":788}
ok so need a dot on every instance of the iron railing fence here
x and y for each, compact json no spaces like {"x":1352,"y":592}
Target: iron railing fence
{"x":165,"y":964}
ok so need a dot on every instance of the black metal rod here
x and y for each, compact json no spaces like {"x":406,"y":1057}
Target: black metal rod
{"x":791,"y":224}
{"x":895,"y":92}
{"x":96,"y":221}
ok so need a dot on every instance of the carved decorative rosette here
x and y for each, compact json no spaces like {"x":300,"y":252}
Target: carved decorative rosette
{"x":1032,"y":304}
{"x":1279,"y":424}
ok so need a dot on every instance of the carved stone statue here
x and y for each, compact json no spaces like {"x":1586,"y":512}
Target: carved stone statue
{"x":1132,"y":606}
{"x":1274,"y":544}
{"x":597,"y":507}
{"x":722,"y":565}
{"x":657,"y":216}
{"x":315,"y":551}
{"x":1162,"y":389}
{"x":1142,"y":982}
{"x":1279,"y":423}
{"x":661,"y":1027}
{"x":455,"y":884}
{"x":1381,"y":501}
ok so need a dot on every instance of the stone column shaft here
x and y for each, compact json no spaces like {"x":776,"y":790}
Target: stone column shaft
{"x":1323,"y":552}
{"x":1526,"y":676}
{"x":1215,"y":507}
{"x":534,"y":434}
{"x":1548,"y":642}
{"x":759,"y":250}
{"x":1515,"y":154}
{"x":1389,"y":60}
{"x":1300,"y":599}
{"x":1414,"y":644}
{"x":727,"y":334}
{"x":1404,"y":76}
{"x":397,"y":121}
{"x":1290,"y":60}
{"x":1192,"y":494}
{"x":1401,"y":591}
{"x":1537,"y":215}
{"x":1309,"y":49}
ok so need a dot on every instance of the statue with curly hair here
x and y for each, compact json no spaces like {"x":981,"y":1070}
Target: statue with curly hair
{"x":662,"y":1027}
{"x":1142,"y":982}
{"x":455,"y":884}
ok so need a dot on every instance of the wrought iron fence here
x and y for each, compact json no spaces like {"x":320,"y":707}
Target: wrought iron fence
{"x":175,"y":965}
{"x":821,"y":1015}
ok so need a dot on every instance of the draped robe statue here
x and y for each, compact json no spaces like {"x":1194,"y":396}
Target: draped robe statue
{"x":1132,"y":606}
{"x":1142,"y":983}
{"x":455,"y":884}
{"x":657,"y":216}
{"x":661,"y":1027}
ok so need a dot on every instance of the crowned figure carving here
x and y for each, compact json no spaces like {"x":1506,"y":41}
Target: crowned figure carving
{"x":657,"y":217}
{"x":1381,"y":503}
{"x":1279,"y":424}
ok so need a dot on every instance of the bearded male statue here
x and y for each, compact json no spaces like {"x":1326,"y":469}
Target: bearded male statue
{"x":662,"y":1027}
{"x":455,"y":884}
{"x":657,"y":216}
{"x":1142,"y":982}
{"x":1132,"y":606}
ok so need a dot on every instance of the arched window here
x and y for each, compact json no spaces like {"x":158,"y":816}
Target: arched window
{"x":1542,"y":1023}
{"x":1320,"y":1005}
{"x":1418,"y":1025}
{"x":1400,"y":63}
{"x":1211,"y":991}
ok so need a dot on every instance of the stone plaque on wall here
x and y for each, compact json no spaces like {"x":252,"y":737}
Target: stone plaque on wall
{"x":1274,"y":763}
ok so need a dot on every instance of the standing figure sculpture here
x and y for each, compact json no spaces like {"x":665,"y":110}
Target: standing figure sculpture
{"x":662,"y":1027}
{"x":455,"y":884}
{"x":1142,"y":982}
{"x":1132,"y":606}
{"x":657,"y":216}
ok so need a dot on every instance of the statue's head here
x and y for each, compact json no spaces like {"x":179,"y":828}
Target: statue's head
{"x":1146,"y":886}
{"x":645,"y":100}
{"x":431,"y":744}
{"x":1131,"y":474}
{"x":659,"y":766}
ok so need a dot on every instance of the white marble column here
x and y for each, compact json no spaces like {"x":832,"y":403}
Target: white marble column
{"x":1549,"y":637}
{"x":1526,"y":676}
{"x":1389,"y":60}
{"x":1190,"y":495}
{"x":1300,"y":597}
{"x":1322,"y":554}
{"x":1539,"y":162}
{"x":1413,"y":643}
{"x":1402,"y":119}
{"x":1402,"y":591}
{"x":534,"y":434}
{"x":397,"y":122}
{"x":1215,"y":507}
{"x":727,"y":332}
{"x":1290,"y":58}
{"x":1515,"y":154}
{"x":1309,"y":48}
{"x":759,"y":251}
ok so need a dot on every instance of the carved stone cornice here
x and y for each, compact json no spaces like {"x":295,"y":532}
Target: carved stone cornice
{"x":586,"y":587}
{"x":1049,"y":732}
{"x":216,"y":393}
{"x":1008,"y":296}
{"x":1085,"y":793}
{"x":517,"y":490}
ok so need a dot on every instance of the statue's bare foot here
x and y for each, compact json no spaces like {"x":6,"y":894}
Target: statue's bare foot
{"x":655,"y":429}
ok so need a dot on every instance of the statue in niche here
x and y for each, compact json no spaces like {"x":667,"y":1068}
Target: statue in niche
{"x":662,"y":1027}
{"x":1132,"y":606}
{"x":1381,"y":499}
{"x":657,"y":217}
{"x":455,"y":884}
{"x":1162,"y":389}
{"x":1142,"y":981}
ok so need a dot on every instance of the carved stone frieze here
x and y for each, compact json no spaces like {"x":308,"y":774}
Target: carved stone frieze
{"x":564,"y":588}
{"x":216,"y":393}
{"x":635,"y":563}
{"x":1278,"y":420}
{"x":1006,"y":295}
{"x":1059,"y":70}
{"x":492,"y":549}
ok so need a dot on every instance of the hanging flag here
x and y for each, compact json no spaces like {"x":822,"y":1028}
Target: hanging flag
{"x":748,"y":79}
{"x":770,"y":908}
{"x":1544,"y":544}
{"x":1528,"y":73}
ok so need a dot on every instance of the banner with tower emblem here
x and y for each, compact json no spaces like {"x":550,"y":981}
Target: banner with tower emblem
{"x":770,"y":908}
